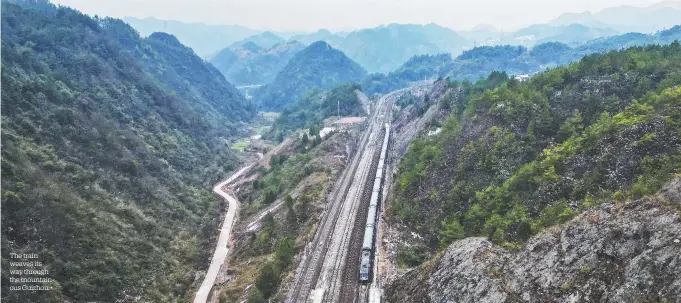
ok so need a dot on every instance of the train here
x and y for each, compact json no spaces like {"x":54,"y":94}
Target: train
{"x":368,"y":247}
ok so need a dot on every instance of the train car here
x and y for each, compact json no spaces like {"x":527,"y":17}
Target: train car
{"x":367,"y":250}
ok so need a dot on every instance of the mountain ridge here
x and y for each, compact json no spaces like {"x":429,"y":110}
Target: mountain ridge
{"x":318,"y":65}
{"x":106,"y":165}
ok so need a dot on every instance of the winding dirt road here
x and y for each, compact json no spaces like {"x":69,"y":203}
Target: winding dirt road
{"x":221,"y":248}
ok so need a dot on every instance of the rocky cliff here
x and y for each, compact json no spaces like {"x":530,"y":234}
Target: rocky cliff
{"x":611,"y":253}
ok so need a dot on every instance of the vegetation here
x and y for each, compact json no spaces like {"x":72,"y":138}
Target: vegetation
{"x":478,"y":62}
{"x":284,"y":173}
{"x":417,"y":68}
{"x":384,"y":48}
{"x":296,"y":177}
{"x":310,"y":110}
{"x":106,"y":165}
{"x":521,"y":157}
{"x":179,"y":71}
{"x":317,"y":66}
{"x":253,"y":65}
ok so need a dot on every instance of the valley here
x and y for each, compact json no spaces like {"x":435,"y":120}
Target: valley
{"x":150,"y":160}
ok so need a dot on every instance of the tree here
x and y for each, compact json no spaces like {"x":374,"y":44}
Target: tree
{"x":268,"y":223}
{"x":290,"y":212}
{"x":304,"y":208}
{"x":268,"y":280}
{"x":571,"y":127}
{"x":270,"y":196}
{"x":256,"y":296}
{"x":451,"y":231}
{"x":284,"y":253}
{"x":305,"y":140}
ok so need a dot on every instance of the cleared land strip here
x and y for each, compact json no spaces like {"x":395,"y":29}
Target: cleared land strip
{"x":221,"y":248}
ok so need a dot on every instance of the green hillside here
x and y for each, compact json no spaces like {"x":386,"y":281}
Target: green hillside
{"x":317,"y":66}
{"x":316,"y":105}
{"x":479,"y":62}
{"x":521,"y":157}
{"x":107,"y":162}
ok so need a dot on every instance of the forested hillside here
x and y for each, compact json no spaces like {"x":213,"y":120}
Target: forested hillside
{"x":246,"y":65}
{"x":107,"y":160}
{"x":515,"y":159}
{"x":481,"y":61}
{"x":317,"y":66}
{"x":316,"y":105}
{"x":180,"y":71}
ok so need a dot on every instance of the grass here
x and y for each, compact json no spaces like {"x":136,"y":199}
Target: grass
{"x":241,"y":144}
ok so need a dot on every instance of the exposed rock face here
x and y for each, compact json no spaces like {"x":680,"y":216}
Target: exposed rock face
{"x":613,"y":253}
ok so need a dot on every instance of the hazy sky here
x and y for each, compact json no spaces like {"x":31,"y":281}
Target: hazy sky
{"x":308,"y":15}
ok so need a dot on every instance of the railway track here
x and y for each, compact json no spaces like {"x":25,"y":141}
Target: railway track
{"x":310,"y":267}
{"x":349,"y":290}
{"x":330,"y":264}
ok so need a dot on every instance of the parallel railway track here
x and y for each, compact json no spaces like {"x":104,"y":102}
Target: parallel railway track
{"x":335,"y":270}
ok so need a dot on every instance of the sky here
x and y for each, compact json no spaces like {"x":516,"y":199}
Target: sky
{"x":335,"y":15}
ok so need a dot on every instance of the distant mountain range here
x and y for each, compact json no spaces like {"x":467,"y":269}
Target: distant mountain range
{"x":204,"y":39}
{"x":384,"y":48}
{"x":628,"y":18}
{"x":317,"y":66}
{"x":264,"y":40}
{"x":250,"y":64}
{"x":481,"y":61}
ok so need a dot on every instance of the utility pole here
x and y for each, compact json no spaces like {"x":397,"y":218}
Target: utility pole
{"x":338,"y":107}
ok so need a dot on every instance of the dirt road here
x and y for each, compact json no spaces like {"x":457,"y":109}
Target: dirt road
{"x":221,"y":248}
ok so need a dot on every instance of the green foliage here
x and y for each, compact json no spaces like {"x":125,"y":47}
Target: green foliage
{"x":317,"y":66}
{"x":417,"y":68}
{"x":557,"y":213}
{"x":515,"y":158}
{"x":451,"y":231}
{"x":284,"y":253}
{"x":477,"y":63}
{"x":410,"y":256}
{"x":406,"y":100}
{"x":256,"y":296}
{"x":106,"y":174}
{"x":254,"y":65}
{"x":315,"y":106}
{"x":284,"y":173}
{"x":291,"y":216}
{"x":268,"y":280}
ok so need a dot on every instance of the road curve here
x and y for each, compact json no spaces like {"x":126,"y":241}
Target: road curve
{"x":221,"y":247}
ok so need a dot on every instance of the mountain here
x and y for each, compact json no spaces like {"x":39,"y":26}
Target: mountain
{"x":516,"y":158}
{"x":417,"y":68}
{"x":479,"y":62}
{"x":483,"y":34}
{"x":384,"y":48}
{"x":204,"y":39}
{"x":263,"y":40}
{"x":183,"y":73}
{"x":320,"y":35}
{"x":108,"y":156}
{"x":628,"y":18}
{"x":317,"y":66}
{"x":252,"y":65}
{"x":580,"y":261}
{"x":315,"y":106}
{"x":572,"y":34}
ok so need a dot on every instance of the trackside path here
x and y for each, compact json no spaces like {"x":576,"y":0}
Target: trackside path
{"x":221,"y":249}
